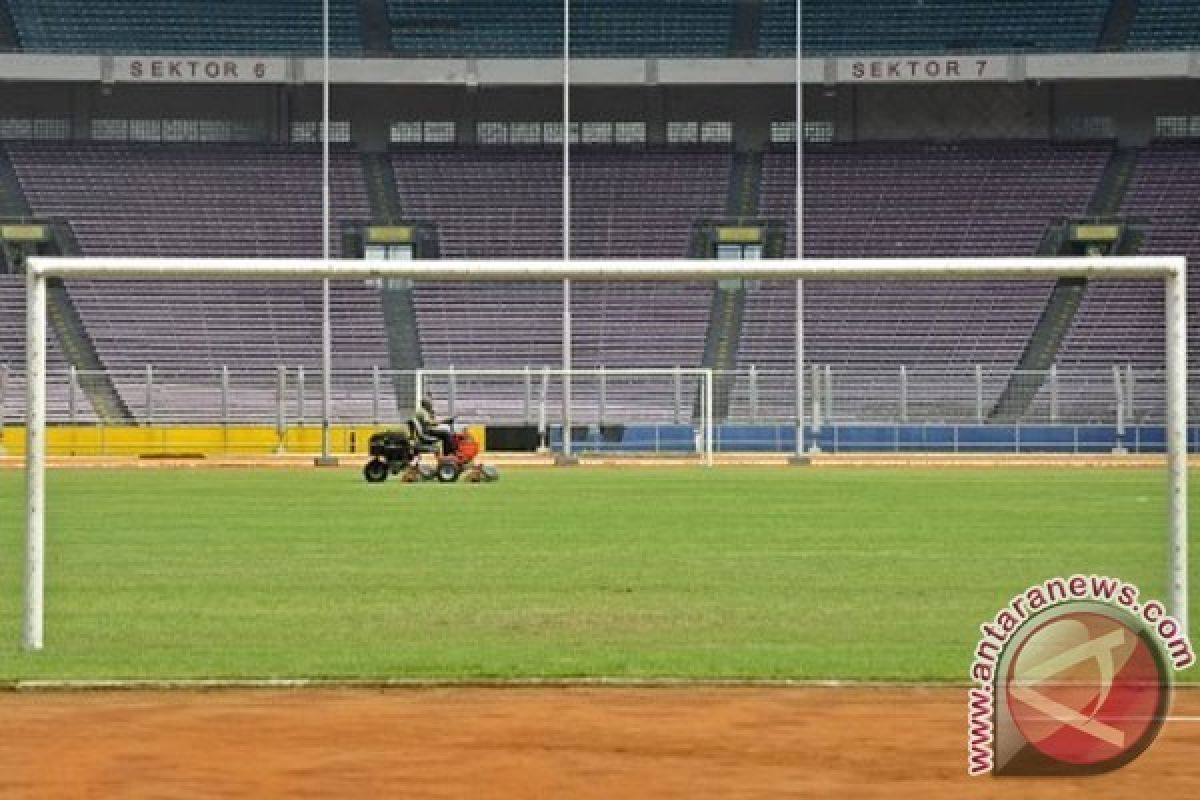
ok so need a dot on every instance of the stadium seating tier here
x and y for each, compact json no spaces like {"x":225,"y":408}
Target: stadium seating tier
{"x":12,"y":357}
{"x":895,"y":199}
{"x":1165,"y":25}
{"x":905,"y":200}
{"x":832,"y":27}
{"x":599,"y":28}
{"x":189,"y":27}
{"x":1121,"y":322}
{"x":531,"y":28}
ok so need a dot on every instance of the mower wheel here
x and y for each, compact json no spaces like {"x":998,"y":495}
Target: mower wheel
{"x":489,"y":473}
{"x":426,"y":472}
{"x":375,"y":471}
{"x":448,"y":471}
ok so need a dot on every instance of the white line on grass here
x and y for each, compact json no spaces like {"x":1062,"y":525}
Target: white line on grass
{"x":213,"y":684}
{"x":481,"y":683}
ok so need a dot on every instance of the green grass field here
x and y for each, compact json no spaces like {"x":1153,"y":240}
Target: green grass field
{"x":735,"y":572}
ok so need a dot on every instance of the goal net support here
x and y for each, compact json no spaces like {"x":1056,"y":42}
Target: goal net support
{"x":1171,"y":271}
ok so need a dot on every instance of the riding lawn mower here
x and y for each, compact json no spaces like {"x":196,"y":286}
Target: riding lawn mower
{"x":398,"y":452}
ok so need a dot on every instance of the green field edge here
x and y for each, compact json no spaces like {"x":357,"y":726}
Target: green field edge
{"x":265,"y":684}
{"x":218,"y":684}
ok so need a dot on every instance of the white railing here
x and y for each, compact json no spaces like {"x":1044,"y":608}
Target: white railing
{"x":837,"y":394}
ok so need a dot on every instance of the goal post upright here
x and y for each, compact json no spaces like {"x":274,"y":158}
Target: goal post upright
{"x":1172,"y":270}
{"x":1177,"y":456}
{"x":35,"y":460}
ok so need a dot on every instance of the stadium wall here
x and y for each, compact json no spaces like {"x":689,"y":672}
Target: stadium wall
{"x":1027,"y":110}
{"x":1133,"y":106}
{"x":994,"y":439}
{"x":203,"y":441}
{"x":195,"y":440}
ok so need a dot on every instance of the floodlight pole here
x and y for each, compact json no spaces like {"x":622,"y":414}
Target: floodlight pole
{"x":326,"y":458}
{"x":566,"y":458}
{"x":800,"y":457}
{"x":3,"y":402}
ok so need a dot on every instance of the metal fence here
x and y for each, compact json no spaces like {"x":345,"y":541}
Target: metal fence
{"x":836,"y":395}
{"x":952,"y":395}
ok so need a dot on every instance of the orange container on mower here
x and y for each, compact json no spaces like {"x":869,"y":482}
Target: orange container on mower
{"x":465,"y":447}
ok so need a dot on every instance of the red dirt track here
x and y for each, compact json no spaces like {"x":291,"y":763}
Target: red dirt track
{"x":545,"y":743}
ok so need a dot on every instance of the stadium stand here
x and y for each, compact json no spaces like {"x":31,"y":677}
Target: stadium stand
{"x":988,"y":199}
{"x":896,"y":199}
{"x":249,"y":201}
{"x":506,"y":203}
{"x":615,"y":215}
{"x":1166,"y":25}
{"x":912,"y":200}
{"x":243,"y":200}
{"x":534,"y":28}
{"x":518,"y":325}
{"x":486,"y":204}
{"x":165,"y":27}
{"x":489,"y":203}
{"x":629,"y":325}
{"x":1121,"y":322}
{"x":613,"y":28}
{"x":189,"y":331}
{"x":12,"y":355}
{"x":226,"y":200}
{"x":933,"y":26}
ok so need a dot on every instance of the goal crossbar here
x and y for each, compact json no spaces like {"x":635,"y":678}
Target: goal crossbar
{"x":1171,"y":270}
{"x":1147,"y":267}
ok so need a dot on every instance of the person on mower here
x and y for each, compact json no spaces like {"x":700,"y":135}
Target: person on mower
{"x":429,"y":424}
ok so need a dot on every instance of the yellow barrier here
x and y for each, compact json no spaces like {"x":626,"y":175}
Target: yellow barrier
{"x":216,"y":440}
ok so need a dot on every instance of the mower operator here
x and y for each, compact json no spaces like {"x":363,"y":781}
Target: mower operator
{"x":431,"y":424}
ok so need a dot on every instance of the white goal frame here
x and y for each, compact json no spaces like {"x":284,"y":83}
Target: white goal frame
{"x":1171,"y":270}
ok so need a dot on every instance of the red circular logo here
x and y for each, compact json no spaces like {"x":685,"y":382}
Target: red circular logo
{"x":1086,"y":688}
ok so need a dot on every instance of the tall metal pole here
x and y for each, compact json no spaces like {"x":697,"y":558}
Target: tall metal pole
{"x":708,"y":418}
{"x":1177,"y":466}
{"x":281,"y":408}
{"x":800,"y":457}
{"x":35,"y":460}
{"x":3,"y":402}
{"x":326,"y":459}
{"x":567,"y":458}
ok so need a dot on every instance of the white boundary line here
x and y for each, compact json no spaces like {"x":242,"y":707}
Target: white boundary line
{"x":215,"y":684}
{"x":201,"y":684}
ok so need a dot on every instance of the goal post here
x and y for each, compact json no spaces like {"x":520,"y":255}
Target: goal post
{"x":1171,"y":270}
{"x":599,"y":396}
